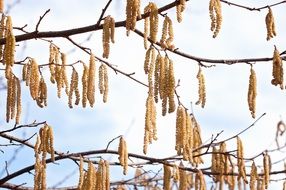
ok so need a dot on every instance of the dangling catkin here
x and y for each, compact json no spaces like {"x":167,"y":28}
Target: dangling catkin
{"x":171,"y":87}
{"x":34,"y":79}
{"x":179,"y":9}
{"x":240,"y":160}
{"x":123,"y":155}
{"x":183,"y":178}
{"x":91,"y":81}
{"x":167,"y":30}
{"x":19,"y":102}
{"x":132,"y":13}
{"x":180,"y":130}
{"x":150,"y":120}
{"x":84,"y":81}
{"x":9,"y":99}
{"x":151,"y":23}
{"x":277,"y":70}
{"x":197,"y":142}
{"x":2,"y":34}
{"x":270,"y":24}
{"x":107,"y":35}
{"x":176,"y":173}
{"x":252,"y":92}
{"x":266,"y":168}
{"x":216,"y":16}
{"x":253,"y":176}
{"x":202,"y":89}
{"x":164,"y":84}
{"x":74,"y":88}
{"x":103,"y":81}
{"x":157,"y":77}
{"x":52,"y":61}
{"x":167,"y":177}
{"x":81,"y":174}
{"x":64,"y":82}
{"x":9,"y":51}
{"x":42,"y":95}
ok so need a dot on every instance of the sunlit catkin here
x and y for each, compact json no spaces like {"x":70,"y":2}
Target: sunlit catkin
{"x":170,"y":87}
{"x":107,"y":35}
{"x":123,"y":155}
{"x":252,"y":92}
{"x":180,"y":130}
{"x":84,"y":81}
{"x":151,"y":23}
{"x":43,"y":94}
{"x":81,"y":174}
{"x":183,"y":178}
{"x":202,"y":89}
{"x":197,"y":142}
{"x":253,"y":176}
{"x":277,"y":69}
{"x":34,"y":79}
{"x":216,"y":16}
{"x":18,"y":100}
{"x":270,"y":24}
{"x":132,"y":13}
{"x":179,"y":9}
{"x":9,"y":99}
{"x":9,"y":51}
{"x":91,"y":81}
{"x":103,"y":81}
{"x":2,"y":34}
{"x":157,"y":76}
{"x":266,"y":169}
{"x":64,"y":78}
{"x":167,"y":30}
{"x":167,"y":177}
{"x":240,"y":160}
{"x":74,"y":89}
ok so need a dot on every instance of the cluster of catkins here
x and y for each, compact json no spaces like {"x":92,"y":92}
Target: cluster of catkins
{"x":44,"y":144}
{"x":94,"y":179}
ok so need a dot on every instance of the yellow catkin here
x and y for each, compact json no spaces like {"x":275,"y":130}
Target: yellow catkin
{"x":171,"y":87}
{"x":151,"y":23}
{"x":216,"y":16}
{"x":102,"y":177}
{"x":197,"y":142}
{"x":1,"y":6}
{"x":52,"y":61}
{"x":266,"y":169}
{"x":253,"y":176}
{"x":103,"y":81}
{"x":38,"y":165}
{"x":176,"y":173}
{"x":252,"y":92}
{"x":123,"y":155}
{"x":81,"y":174}
{"x":34,"y":79}
{"x":84,"y":81}
{"x":165,"y":83}
{"x":156,"y":77}
{"x":51,"y":143}
{"x":150,"y":133}
{"x":107,"y":178}
{"x":215,"y":163}
{"x":167,"y":30}
{"x":2,"y":34}
{"x":107,"y":35}
{"x":183,"y":178}
{"x":167,"y":177}
{"x":9,"y":98}
{"x":188,"y":147}
{"x":42,"y":95}
{"x":91,"y":81}
{"x":9,"y":50}
{"x":180,"y":130}
{"x":18,"y":100}
{"x":270,"y":24}
{"x":74,"y":89}
{"x":240,"y":160}
{"x":150,"y":58}
{"x":132,"y":13}
{"x":200,"y":183}
{"x":277,"y":70}
{"x":13,"y":97}
{"x":202,"y":89}
{"x":181,"y":6}
{"x":64,"y":78}
{"x":28,"y":74}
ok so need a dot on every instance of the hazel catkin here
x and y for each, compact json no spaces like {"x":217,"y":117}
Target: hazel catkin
{"x":167,"y":177}
{"x":202,"y":89}
{"x":103,"y":81}
{"x":277,"y":69}
{"x":151,"y":23}
{"x":91,"y":80}
{"x":9,"y":50}
{"x":123,"y":155}
{"x":107,"y":35}
{"x":270,"y":24}
{"x":252,"y":92}
{"x":216,"y":16}
{"x":132,"y":13}
{"x":34,"y":79}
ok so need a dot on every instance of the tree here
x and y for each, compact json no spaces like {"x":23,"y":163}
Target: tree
{"x":190,"y":147}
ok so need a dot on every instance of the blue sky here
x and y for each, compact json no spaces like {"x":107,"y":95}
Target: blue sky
{"x":243,"y":35}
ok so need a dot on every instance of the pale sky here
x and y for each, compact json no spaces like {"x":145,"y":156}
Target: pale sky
{"x":243,"y":35}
